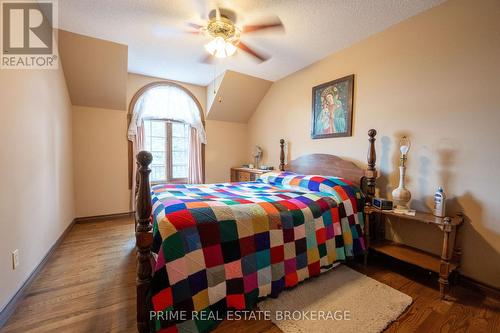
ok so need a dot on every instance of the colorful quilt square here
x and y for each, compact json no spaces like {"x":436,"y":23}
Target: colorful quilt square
{"x":249,"y":264}
{"x":262,"y":241}
{"x":203,"y":215}
{"x":215,"y":275}
{"x":213,"y":256}
{"x":247,"y":245}
{"x":191,"y":239}
{"x":277,"y":254}
{"x":250,"y":282}
{"x":228,"y":231}
{"x":209,"y":233}
{"x":195,"y":261}
{"x":177,"y":270}
{"x":173,"y":247}
{"x":235,"y":286}
{"x":233,"y":269}
{"x":181,"y":291}
{"x":231,"y":250}
{"x":198,"y":281}
{"x":276,"y":237}
{"x":200,"y":300}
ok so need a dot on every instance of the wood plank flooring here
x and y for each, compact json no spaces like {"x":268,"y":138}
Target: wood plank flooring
{"x":89,"y":286}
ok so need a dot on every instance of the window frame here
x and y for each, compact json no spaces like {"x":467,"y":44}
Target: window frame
{"x":168,"y":153}
{"x":131,"y":106}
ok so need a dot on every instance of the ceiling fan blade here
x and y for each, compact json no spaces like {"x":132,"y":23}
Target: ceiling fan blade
{"x":194,"y":25}
{"x":272,"y":24}
{"x":244,"y":47}
{"x":192,"y":32}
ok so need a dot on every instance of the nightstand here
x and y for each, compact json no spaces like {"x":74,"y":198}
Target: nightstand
{"x":245,"y":174}
{"x":444,"y":265}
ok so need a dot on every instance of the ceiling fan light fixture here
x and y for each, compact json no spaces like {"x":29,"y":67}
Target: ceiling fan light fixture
{"x":230,"y":49}
{"x":213,"y":46}
{"x":220,"y":48}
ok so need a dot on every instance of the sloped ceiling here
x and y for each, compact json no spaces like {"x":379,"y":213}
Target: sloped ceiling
{"x":237,"y":97}
{"x":95,"y":71}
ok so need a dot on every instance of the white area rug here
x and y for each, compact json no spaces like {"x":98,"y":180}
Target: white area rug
{"x":372,"y":305}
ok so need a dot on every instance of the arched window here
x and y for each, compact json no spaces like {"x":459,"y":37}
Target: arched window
{"x":167,"y":121}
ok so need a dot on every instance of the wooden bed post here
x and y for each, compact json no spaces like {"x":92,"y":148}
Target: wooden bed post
{"x":282,"y":155}
{"x":371,"y":171}
{"x":143,"y":240}
{"x":370,"y":177}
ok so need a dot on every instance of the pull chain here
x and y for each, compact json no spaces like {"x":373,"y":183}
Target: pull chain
{"x":215,"y":76}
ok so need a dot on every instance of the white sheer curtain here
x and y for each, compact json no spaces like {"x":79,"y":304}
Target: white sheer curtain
{"x":167,"y":102}
{"x":195,"y":159}
{"x":173,"y":103}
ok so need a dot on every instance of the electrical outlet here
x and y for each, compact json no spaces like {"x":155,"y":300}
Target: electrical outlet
{"x":15,"y":259}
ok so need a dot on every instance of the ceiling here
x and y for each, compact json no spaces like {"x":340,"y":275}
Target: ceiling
{"x":152,"y":30}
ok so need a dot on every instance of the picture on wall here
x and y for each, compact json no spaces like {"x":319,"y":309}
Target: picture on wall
{"x":332,"y":108}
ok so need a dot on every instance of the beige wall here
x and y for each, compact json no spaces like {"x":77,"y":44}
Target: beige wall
{"x":36,"y":195}
{"x":434,"y":77}
{"x":100,"y":161}
{"x":226,"y":148}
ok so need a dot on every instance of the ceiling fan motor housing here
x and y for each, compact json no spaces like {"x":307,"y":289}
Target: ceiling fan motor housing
{"x":223,"y":25}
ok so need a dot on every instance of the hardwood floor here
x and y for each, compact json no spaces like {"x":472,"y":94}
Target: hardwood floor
{"x":89,"y":286}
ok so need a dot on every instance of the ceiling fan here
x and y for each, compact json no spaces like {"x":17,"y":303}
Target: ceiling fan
{"x":226,"y":36}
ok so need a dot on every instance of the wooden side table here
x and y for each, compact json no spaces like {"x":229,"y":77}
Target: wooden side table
{"x":444,"y":265}
{"x":246,"y":174}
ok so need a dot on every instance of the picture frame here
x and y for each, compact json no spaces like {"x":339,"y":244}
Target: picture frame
{"x":332,"y":112}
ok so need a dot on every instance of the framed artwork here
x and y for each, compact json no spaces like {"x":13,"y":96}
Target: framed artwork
{"x":332,"y":108}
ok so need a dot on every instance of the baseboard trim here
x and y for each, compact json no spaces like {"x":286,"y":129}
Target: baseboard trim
{"x":100,"y":218}
{"x":478,"y":286}
{"x":11,"y":306}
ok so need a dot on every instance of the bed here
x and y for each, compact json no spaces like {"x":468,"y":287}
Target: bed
{"x":205,"y":249}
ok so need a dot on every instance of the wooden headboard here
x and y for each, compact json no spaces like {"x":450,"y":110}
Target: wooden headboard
{"x":331,"y":165}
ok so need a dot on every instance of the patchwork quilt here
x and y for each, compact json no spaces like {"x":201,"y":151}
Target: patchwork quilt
{"x":221,"y":247}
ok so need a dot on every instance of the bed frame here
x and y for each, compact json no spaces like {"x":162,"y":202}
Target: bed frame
{"x":320,"y":164}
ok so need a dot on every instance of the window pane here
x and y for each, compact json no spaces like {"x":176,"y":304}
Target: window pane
{"x":179,"y":157}
{"x":180,"y":171}
{"x":158,"y":144}
{"x":155,"y":142}
{"x":147,"y":143}
{"x":158,"y":173}
{"x":179,"y":130}
{"x":159,"y":158}
{"x":179,"y":144}
{"x":158,"y":128}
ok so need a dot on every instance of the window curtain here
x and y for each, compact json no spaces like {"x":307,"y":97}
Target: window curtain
{"x":167,"y":102}
{"x":137,"y":146}
{"x":195,"y":160}
{"x":172,"y":103}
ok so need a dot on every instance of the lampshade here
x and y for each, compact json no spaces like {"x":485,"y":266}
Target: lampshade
{"x":404,"y":145}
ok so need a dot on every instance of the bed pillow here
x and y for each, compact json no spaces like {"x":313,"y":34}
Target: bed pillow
{"x":341,"y":188}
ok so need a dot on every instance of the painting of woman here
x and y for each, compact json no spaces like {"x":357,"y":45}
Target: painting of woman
{"x":332,"y":108}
